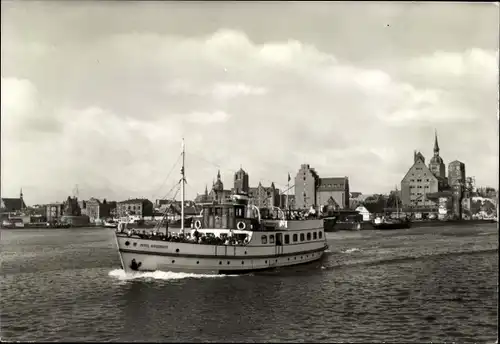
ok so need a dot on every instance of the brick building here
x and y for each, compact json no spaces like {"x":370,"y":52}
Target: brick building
{"x":13,"y":205}
{"x":137,"y":206}
{"x":99,"y":210}
{"x":306,"y":183}
{"x":418,"y":181}
{"x":311,"y":190}
{"x":264,"y":196}
{"x":335,"y":188}
{"x":424,"y":186}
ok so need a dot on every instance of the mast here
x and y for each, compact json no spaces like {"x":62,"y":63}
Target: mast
{"x":287,"y":198}
{"x":183,"y":180}
{"x":397,"y":201}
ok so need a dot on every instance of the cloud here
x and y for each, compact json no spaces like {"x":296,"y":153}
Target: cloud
{"x":119,"y":105}
{"x":228,"y":90}
{"x":219,"y":90}
{"x":472,"y":64}
{"x":207,"y":118}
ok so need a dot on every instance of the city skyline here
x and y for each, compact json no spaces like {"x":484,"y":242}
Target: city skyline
{"x":265,"y":86}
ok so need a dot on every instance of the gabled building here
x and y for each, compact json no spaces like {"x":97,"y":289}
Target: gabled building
{"x":306,"y":183}
{"x":138,"y":206}
{"x":335,"y":188}
{"x":264,"y":197}
{"x":418,"y":181}
{"x":311,"y":190}
{"x":12,"y":205}
{"x":203,"y":198}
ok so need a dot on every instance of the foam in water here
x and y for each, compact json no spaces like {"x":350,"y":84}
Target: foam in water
{"x":351,"y":250}
{"x":159,"y":275}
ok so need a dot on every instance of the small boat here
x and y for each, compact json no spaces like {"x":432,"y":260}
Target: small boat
{"x":110,"y":224}
{"x":392,"y":223}
{"x":226,"y":238}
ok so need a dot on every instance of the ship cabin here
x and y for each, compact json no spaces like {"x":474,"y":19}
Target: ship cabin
{"x":241,"y":216}
{"x":229,"y":216}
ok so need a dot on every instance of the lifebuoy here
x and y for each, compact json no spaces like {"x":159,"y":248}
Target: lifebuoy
{"x":241,"y":225}
{"x":197,"y":224}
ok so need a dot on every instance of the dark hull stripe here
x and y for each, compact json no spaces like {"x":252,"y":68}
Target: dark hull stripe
{"x":173,"y":255}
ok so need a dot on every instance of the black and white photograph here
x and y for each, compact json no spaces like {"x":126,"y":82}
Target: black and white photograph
{"x":249,"y":171}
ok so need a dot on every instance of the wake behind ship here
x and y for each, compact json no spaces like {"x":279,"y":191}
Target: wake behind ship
{"x":229,"y":237}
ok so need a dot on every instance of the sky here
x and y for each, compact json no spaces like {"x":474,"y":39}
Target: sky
{"x":100,"y":94}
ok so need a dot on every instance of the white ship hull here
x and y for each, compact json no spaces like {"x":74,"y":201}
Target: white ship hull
{"x":216,"y":265}
{"x":300,"y":246}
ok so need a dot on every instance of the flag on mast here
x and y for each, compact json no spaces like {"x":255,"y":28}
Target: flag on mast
{"x":289,"y":177}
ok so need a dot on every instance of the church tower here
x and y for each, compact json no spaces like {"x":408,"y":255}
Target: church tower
{"x":218,"y":185}
{"x":21,"y":198}
{"x":436,"y":165}
{"x":241,"y":182}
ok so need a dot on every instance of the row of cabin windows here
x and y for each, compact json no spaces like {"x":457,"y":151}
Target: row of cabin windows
{"x":295,"y":237}
{"x":237,"y":212}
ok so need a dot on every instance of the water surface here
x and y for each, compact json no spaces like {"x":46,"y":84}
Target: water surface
{"x":416,"y":285}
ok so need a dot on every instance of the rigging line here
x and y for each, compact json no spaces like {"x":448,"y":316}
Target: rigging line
{"x":165,"y":214}
{"x":168,"y":176}
{"x":176,"y":184}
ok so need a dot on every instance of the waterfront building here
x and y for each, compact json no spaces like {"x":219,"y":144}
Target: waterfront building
{"x":430,"y":189}
{"x":138,"y":206}
{"x":72,"y":207}
{"x":13,"y":205}
{"x":99,"y":210}
{"x":336,"y":189}
{"x":417,"y":183}
{"x":456,"y":173}
{"x":203,"y":198}
{"x":54,"y":211}
{"x":311,"y":190}
{"x":83,"y":206}
{"x":287,"y":201}
{"x":306,"y":183}
{"x":264,"y":196}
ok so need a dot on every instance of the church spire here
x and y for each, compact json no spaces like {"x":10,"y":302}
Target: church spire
{"x":218,"y":175}
{"x":21,"y":198}
{"x":436,"y":145}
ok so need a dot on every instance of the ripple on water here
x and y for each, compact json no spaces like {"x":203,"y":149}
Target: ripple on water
{"x":414,"y":286}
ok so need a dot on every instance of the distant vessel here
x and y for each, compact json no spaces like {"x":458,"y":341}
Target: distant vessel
{"x":110,"y":224}
{"x":391,"y":223}
{"x":225,"y":238}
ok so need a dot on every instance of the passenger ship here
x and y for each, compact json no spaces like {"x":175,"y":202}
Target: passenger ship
{"x":226,"y":238}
